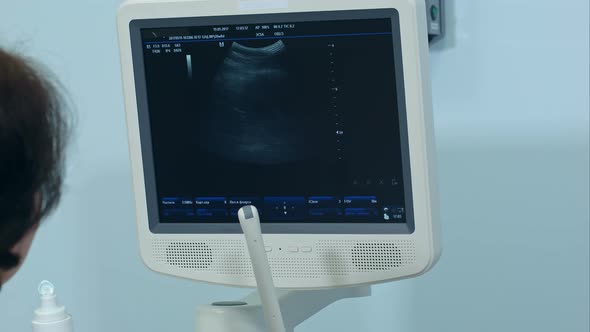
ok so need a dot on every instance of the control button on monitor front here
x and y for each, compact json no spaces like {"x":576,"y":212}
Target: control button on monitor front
{"x":293,"y":249}
{"x":305,"y":249}
{"x":268,"y":249}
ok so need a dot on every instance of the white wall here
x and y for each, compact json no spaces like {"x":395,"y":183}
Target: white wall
{"x":510,"y":85}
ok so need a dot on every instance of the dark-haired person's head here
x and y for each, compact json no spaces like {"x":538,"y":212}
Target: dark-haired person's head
{"x":33,"y":130}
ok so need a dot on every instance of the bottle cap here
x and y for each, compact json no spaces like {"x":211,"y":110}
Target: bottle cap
{"x":49,"y":311}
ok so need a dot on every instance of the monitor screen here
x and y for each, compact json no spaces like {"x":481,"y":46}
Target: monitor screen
{"x":301,"y":118}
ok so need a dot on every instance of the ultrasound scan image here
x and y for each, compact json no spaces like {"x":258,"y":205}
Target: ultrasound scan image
{"x":251,"y":116}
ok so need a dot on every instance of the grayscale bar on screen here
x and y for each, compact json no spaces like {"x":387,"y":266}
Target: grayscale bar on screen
{"x":189,"y":67}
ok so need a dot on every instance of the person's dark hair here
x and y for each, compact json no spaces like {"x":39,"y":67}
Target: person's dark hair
{"x":33,"y":134}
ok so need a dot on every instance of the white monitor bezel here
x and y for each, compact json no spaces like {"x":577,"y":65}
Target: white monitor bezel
{"x":278,"y":227}
{"x":424,"y":238}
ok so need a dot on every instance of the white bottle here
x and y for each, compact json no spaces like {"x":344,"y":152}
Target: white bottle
{"x":50,"y":317}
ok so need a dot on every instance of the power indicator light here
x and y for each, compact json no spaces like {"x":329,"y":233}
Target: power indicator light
{"x":434,"y":12}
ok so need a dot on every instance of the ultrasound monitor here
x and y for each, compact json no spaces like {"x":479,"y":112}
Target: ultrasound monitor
{"x":317,"y":114}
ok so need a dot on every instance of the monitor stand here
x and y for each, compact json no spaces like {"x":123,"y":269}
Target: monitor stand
{"x":246,"y":315}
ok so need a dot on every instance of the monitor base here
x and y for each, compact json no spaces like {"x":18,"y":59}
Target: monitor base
{"x":246,"y":315}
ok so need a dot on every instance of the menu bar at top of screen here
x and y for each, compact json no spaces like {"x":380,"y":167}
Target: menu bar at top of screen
{"x":320,"y":29}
